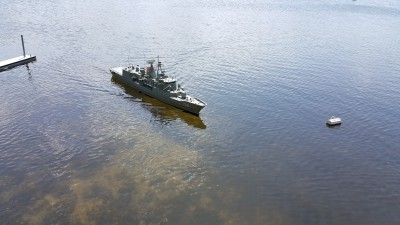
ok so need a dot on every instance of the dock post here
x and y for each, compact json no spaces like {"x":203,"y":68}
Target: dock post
{"x":23,"y":46}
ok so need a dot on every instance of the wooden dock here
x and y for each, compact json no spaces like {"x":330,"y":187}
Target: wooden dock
{"x":10,"y":63}
{"x":20,"y":60}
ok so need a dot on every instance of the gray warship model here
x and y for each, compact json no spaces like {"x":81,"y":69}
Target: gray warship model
{"x":155,"y":83}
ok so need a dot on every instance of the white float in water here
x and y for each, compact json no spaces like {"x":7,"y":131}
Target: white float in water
{"x":334,"y":121}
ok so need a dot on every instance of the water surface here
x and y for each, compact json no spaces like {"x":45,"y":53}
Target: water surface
{"x":78,"y":147}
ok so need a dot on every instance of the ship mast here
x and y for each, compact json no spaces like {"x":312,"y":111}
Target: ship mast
{"x":158,"y":65}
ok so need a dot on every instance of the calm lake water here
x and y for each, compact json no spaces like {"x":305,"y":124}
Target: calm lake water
{"x":77,"y":147}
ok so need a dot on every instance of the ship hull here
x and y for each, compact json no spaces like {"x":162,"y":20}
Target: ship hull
{"x":157,"y":94}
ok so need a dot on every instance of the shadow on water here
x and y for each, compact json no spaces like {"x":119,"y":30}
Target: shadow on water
{"x":163,"y":113}
{"x":30,"y":77}
{"x":333,"y":126}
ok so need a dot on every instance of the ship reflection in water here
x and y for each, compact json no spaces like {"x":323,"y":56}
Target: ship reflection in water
{"x":162,"y":112}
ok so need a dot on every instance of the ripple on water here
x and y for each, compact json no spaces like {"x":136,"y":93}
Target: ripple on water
{"x":80,"y":148}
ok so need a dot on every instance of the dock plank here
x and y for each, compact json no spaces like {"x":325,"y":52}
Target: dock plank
{"x":20,"y":60}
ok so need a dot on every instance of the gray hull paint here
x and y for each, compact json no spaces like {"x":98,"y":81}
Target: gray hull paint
{"x":159,"y":94}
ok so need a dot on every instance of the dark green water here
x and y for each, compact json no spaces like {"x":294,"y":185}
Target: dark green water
{"x":77,"y":147}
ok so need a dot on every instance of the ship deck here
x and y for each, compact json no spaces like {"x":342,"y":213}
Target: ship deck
{"x":117,"y":70}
